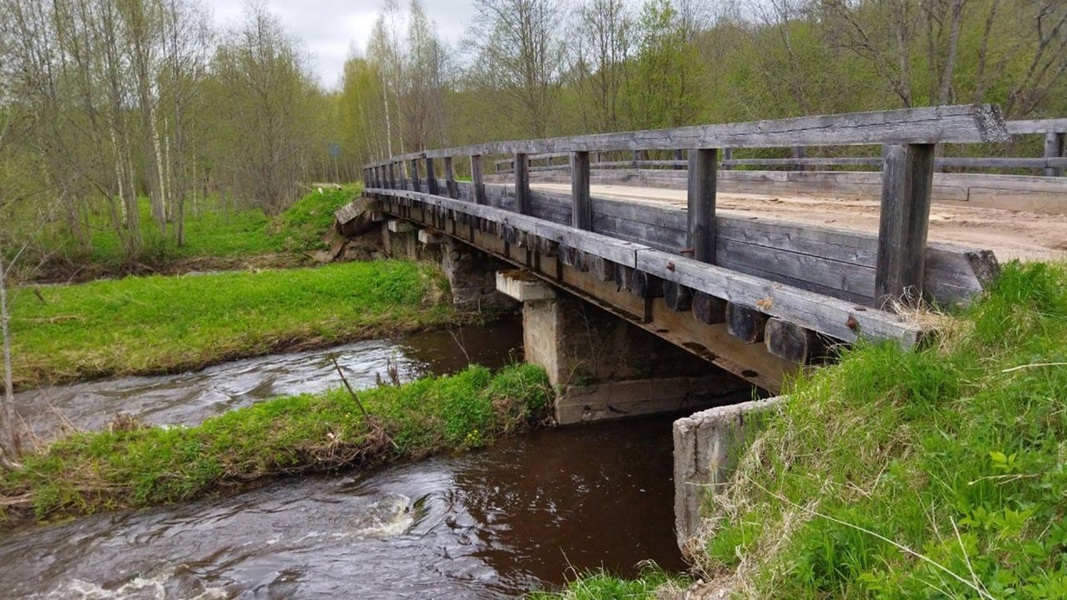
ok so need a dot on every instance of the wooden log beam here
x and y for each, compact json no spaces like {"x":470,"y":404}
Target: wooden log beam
{"x":431,"y":176}
{"x":708,"y":309}
{"x":907,"y":183}
{"x":581,"y":200}
{"x":793,"y":343}
{"x":744,"y":323}
{"x":644,"y":285}
{"x":677,"y":297}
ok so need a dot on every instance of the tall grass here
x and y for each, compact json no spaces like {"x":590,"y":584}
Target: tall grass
{"x":936,"y":473}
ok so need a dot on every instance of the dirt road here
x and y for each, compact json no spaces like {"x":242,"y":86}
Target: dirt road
{"x":1010,"y":234}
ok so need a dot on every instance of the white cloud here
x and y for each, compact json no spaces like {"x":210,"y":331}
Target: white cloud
{"x":329,"y":29}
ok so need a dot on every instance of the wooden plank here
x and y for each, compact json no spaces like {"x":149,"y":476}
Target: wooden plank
{"x":1037,"y":126}
{"x":904,"y":223}
{"x":940,"y":124}
{"x":582,"y":211}
{"x":789,"y":162}
{"x":522,"y":182}
{"x":701,"y":203}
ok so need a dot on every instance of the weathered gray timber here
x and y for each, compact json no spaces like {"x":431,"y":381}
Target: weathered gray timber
{"x":829,"y":316}
{"x":941,"y":124}
{"x":582,"y":212}
{"x":1037,"y":126}
{"x":901,"y":263}
{"x":715,"y":285}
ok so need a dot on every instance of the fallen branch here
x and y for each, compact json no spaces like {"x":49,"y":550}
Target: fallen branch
{"x":363,"y":409}
{"x":1034,"y":366}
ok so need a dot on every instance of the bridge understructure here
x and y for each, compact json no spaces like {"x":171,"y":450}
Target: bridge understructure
{"x":616,"y":291}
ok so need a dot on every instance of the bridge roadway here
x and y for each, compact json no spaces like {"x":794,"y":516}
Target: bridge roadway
{"x":1010,"y":234}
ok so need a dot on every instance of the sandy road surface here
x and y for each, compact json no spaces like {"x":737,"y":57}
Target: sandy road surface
{"x":1010,"y":234}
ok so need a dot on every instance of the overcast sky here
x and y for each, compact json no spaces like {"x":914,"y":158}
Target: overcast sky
{"x":330,"y":28}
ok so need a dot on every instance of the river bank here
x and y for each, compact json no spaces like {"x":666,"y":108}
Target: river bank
{"x":897,"y":474}
{"x":156,"y":324}
{"x":130,"y":465}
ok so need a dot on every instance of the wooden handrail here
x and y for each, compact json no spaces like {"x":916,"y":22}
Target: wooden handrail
{"x":939,"y":124}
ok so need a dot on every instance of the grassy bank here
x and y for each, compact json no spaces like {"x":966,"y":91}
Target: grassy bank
{"x":134,"y":467}
{"x":142,"y":325}
{"x":219,"y":235}
{"x":940,"y":473}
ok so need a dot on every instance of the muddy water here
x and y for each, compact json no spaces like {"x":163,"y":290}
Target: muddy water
{"x":491,"y":524}
{"x":189,"y":398}
{"x":519,"y":516}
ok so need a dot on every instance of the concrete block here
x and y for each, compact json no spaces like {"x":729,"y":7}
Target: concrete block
{"x":523,"y":287}
{"x":398,"y":226}
{"x":707,"y":448}
{"x":431,"y":238}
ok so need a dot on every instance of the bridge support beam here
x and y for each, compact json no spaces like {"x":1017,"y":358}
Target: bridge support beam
{"x":607,"y":368}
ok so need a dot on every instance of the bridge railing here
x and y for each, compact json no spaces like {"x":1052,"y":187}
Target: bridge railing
{"x":1053,"y":162}
{"x":908,"y":165}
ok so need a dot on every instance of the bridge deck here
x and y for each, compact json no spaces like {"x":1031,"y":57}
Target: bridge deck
{"x":1010,"y":234}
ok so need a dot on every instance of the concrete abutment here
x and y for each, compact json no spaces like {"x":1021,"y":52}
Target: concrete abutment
{"x":606,"y":367}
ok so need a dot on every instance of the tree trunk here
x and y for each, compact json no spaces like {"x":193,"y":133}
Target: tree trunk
{"x":10,"y":440}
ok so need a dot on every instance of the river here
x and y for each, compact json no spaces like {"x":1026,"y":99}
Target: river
{"x":525,"y":514}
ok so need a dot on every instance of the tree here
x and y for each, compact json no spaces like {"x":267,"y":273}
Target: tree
{"x":603,"y":44}
{"x":262,"y":95}
{"x":663,"y":86}
{"x":520,"y":53}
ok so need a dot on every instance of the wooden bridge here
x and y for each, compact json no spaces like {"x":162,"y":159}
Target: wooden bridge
{"x":715,"y":285}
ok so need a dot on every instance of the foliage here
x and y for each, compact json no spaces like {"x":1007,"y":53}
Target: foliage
{"x":164,"y":324}
{"x":132,"y":466}
{"x":932,"y":473}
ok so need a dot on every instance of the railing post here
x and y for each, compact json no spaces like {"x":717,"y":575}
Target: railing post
{"x":477,"y":184}
{"x":392,"y":175}
{"x":450,"y":178}
{"x":907,"y":183}
{"x":703,"y":165}
{"x":431,"y":177}
{"x":726,"y":158}
{"x":581,"y":201}
{"x":416,"y":185}
{"x":522,"y":183}
{"x":1054,"y":148}
{"x":678,"y":156}
{"x":799,"y":152}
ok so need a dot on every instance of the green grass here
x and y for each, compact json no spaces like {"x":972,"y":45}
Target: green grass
{"x":929,"y":474}
{"x":599,"y":585}
{"x":216,"y":232}
{"x":142,"y":325}
{"x":135,"y":466}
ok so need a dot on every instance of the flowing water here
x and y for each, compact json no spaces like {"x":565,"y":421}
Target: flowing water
{"x":524,"y":514}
